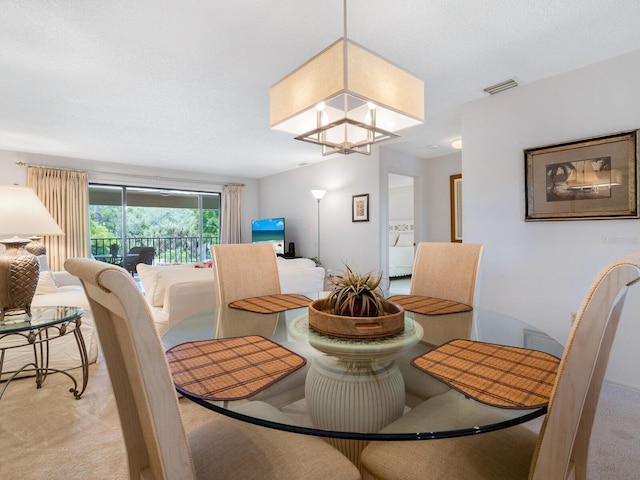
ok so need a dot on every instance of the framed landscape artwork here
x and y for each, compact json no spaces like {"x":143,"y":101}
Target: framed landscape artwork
{"x":360,"y":208}
{"x":595,"y":178}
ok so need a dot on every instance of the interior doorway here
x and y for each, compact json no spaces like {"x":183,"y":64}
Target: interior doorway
{"x":401,"y":226}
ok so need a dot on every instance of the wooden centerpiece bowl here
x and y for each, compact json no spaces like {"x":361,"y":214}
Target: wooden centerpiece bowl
{"x":355,"y":327}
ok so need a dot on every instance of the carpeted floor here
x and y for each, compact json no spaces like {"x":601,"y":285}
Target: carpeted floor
{"x":46,"y":434}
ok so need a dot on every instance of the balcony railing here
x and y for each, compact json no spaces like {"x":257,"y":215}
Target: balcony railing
{"x":168,"y":249}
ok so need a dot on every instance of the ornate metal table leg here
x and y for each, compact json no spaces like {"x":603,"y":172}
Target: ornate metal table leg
{"x":40,"y":354}
{"x":84,"y":359}
{"x":38,"y":336}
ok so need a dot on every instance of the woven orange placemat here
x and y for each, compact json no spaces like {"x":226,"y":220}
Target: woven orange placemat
{"x":271,"y":303}
{"x":230,"y":368}
{"x":428,"y":305}
{"x":507,"y":377}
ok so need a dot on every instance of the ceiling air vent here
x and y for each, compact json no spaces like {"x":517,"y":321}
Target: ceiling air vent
{"x":499,"y":87}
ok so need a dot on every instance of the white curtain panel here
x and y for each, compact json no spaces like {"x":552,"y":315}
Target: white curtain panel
{"x":230,"y":231}
{"x":65,"y":193}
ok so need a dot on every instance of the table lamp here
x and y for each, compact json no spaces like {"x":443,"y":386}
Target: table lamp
{"x":21,"y":214}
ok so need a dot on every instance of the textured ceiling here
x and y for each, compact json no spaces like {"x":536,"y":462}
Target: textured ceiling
{"x":186,"y":84}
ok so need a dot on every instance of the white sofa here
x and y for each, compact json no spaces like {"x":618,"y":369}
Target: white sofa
{"x":300,"y":275}
{"x":172,"y":298}
{"x":175,"y":292}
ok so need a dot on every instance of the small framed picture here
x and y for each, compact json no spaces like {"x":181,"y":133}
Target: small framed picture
{"x":595,"y":178}
{"x":360,"y":208}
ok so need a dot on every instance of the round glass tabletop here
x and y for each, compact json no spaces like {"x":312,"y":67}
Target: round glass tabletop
{"x":40,"y":317}
{"x":369,"y":389}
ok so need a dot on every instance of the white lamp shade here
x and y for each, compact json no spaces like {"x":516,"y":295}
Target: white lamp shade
{"x":347,"y":77}
{"x":318,"y":194}
{"x":23,"y":214}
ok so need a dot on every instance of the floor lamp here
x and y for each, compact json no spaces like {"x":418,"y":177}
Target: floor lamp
{"x":318,"y":194}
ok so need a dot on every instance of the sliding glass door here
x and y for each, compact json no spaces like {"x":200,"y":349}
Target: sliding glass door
{"x":179,"y":225}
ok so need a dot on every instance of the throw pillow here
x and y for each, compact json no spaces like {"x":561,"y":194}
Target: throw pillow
{"x":156,"y":278}
{"x":46,"y":281}
{"x":206,"y":264}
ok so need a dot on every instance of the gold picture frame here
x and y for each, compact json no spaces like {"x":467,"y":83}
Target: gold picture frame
{"x":455,"y":194}
{"x":594,"y":178}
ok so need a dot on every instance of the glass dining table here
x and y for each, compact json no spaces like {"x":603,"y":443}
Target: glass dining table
{"x":352,"y":391}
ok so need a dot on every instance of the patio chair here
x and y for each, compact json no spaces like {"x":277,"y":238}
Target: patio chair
{"x":114,"y":249}
{"x":139,"y":255}
{"x":156,"y":443}
{"x":560,"y":450}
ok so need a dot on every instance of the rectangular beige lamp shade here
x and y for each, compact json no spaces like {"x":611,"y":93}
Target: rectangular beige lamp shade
{"x":350,"y":80}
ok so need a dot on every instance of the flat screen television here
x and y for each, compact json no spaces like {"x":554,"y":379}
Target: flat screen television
{"x":269,"y":230}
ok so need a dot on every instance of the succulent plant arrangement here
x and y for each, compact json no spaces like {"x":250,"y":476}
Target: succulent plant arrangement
{"x":357,"y":295}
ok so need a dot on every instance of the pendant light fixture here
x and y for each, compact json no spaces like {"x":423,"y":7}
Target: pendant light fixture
{"x":346,"y":98}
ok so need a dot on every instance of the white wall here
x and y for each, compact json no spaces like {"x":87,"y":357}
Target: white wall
{"x":438,"y":209}
{"x":539,"y":271}
{"x":362,"y":245}
{"x":341,"y":241}
{"x":401,"y":203}
{"x":117,"y":174}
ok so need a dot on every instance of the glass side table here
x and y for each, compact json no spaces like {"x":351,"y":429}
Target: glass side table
{"x":45,"y":325}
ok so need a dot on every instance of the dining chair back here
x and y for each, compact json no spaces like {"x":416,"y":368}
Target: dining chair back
{"x":146,"y":400}
{"x":563,"y":445}
{"x":446,"y":270}
{"x":560,"y":450}
{"x":156,"y":443}
{"x":244,"y":271}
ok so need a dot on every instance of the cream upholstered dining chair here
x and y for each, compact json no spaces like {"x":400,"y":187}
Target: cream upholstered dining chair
{"x":448,"y":271}
{"x":561,"y":448}
{"x":156,"y":443}
{"x":244,"y":271}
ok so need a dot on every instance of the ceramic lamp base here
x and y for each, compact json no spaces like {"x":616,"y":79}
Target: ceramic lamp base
{"x":19,"y":272}
{"x":36,"y":246}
